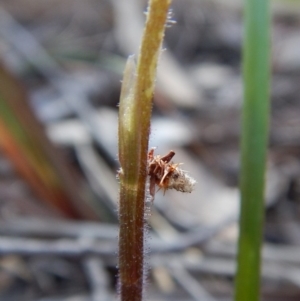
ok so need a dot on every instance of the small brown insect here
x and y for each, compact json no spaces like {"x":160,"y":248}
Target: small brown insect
{"x":167,"y":175}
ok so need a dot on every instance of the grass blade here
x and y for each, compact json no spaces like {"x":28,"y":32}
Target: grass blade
{"x":34,"y":157}
{"x":256,"y":64}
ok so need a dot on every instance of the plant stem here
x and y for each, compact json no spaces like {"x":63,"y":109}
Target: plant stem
{"x":134,"y":128}
{"x":256,"y":64}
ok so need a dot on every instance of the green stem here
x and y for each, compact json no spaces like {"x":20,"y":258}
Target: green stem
{"x":256,"y":64}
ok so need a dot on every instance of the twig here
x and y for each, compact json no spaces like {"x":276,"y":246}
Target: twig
{"x":63,"y":298}
{"x":98,"y":279}
{"x":75,"y":94}
{"x":57,"y":228}
{"x":278,"y":253}
{"x":191,"y":238}
{"x":188,"y":283}
{"x":107,"y":250}
{"x":226,"y":267}
{"x":66,"y":229}
{"x":27,"y":44}
{"x":94,"y":168}
{"x":63,"y":247}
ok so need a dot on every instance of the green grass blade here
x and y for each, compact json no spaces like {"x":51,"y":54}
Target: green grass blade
{"x":256,"y":64}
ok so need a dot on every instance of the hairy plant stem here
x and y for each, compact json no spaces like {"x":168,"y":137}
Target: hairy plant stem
{"x":134,"y":128}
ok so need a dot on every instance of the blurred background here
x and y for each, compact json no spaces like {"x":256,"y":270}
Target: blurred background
{"x":61,"y":65}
